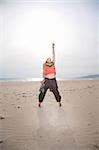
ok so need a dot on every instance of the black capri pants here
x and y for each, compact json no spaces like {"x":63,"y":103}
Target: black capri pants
{"x":52,"y":85}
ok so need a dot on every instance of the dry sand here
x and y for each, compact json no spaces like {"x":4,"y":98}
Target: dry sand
{"x":24,"y":126}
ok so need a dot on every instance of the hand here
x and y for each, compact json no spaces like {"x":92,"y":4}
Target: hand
{"x":53,"y":45}
{"x":42,"y":81}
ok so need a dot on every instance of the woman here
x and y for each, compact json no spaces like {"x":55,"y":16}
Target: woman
{"x":49,"y":79}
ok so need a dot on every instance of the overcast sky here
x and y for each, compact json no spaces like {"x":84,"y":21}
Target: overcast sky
{"x":27,"y":29}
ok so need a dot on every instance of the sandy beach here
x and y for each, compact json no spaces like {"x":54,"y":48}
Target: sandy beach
{"x":74,"y":126}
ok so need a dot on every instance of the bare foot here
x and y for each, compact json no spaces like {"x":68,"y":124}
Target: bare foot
{"x":39,"y":105}
{"x":60,"y":104}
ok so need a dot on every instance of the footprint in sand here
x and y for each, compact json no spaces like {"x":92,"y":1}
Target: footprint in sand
{"x":18,"y":107}
{"x":97,"y":147}
{"x":1,"y":141}
{"x":23,"y":94}
{"x":12,"y":104}
{"x":2,"y":118}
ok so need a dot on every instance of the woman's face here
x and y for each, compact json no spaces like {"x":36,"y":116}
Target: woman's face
{"x":48,"y":60}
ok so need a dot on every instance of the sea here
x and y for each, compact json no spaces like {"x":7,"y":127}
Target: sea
{"x":89,"y":77}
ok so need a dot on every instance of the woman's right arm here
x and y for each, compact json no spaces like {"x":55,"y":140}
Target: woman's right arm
{"x":53,"y":52}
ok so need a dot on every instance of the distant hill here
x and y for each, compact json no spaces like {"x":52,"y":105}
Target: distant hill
{"x":96,"y":76}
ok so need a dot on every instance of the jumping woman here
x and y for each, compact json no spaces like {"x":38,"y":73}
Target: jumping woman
{"x":49,"y":79}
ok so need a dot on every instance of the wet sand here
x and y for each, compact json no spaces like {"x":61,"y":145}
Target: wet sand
{"x":74,"y":126}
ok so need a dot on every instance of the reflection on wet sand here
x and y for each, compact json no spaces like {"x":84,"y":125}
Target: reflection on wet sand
{"x":54,"y":132}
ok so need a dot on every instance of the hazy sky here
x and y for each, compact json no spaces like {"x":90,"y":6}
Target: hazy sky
{"x":28,"y":27}
{"x":98,"y":32}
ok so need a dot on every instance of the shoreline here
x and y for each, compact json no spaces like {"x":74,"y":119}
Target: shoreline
{"x":60,"y":80}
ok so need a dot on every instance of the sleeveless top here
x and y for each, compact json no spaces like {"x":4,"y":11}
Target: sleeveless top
{"x":49,"y":69}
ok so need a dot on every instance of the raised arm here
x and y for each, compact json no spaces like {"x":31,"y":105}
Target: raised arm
{"x":53,"y":52}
